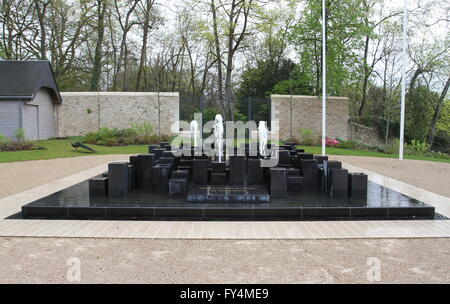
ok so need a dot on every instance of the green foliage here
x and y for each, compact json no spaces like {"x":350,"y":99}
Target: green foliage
{"x":3,"y":138}
{"x":239,"y":116}
{"x":260,"y":80}
{"x":419,"y":113}
{"x":442,"y":142}
{"x":138,"y":134}
{"x":308,"y":137}
{"x":20,"y":145}
{"x":345,"y":33}
{"x":209,"y":114}
{"x":20,"y":135}
{"x":417,"y":146}
{"x":297,"y":84}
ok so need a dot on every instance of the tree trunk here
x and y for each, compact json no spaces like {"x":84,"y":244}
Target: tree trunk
{"x":97,"y":68}
{"x":146,"y":29}
{"x":218,"y":55}
{"x":437,"y":113}
{"x":366,"y":77}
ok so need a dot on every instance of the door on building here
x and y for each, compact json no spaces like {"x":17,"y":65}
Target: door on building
{"x":31,"y":121}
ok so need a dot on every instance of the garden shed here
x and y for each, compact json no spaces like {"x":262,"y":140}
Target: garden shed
{"x":29,"y":96}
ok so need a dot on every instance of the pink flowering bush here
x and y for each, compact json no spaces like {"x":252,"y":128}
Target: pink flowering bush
{"x":331,"y":142}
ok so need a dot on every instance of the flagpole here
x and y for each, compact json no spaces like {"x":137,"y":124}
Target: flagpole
{"x":405,"y":53}
{"x":324,"y":79}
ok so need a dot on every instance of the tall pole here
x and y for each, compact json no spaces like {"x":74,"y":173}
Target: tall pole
{"x":324,"y":79}
{"x":405,"y":53}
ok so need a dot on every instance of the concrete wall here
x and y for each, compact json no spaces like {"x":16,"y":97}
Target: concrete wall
{"x":84,"y":112}
{"x":307,"y":114}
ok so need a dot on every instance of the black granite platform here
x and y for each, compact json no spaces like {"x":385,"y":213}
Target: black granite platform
{"x":75,"y":203}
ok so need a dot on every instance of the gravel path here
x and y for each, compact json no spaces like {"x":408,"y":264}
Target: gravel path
{"x":30,"y":260}
{"x":45,"y":260}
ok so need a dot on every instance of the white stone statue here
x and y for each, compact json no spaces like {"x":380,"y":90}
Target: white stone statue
{"x":218,"y":134}
{"x":194,"y":132}
{"x":263,"y":136}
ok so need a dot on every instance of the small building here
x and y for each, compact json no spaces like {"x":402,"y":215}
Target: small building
{"x":29,"y":97}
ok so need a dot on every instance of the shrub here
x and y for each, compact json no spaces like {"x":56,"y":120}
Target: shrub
{"x":417,"y":146}
{"x":331,"y":142}
{"x":308,"y":137}
{"x":138,"y":134}
{"x":20,"y":135}
{"x":3,"y":139}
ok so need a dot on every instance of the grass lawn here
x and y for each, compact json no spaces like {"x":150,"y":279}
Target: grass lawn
{"x":62,"y":149}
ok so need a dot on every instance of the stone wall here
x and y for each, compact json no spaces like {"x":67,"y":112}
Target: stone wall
{"x":307,"y":114}
{"x":83,"y":112}
{"x":364,"y":134}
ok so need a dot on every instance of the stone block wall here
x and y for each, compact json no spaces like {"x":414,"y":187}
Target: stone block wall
{"x":364,"y":134}
{"x":84,"y":112}
{"x":307,"y":114}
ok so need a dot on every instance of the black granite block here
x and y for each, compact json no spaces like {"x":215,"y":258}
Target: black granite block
{"x":310,"y":172}
{"x":305,"y":156}
{"x":178,"y":187}
{"x":180,"y":174}
{"x":320,"y":159}
{"x":118,"y":179}
{"x":218,"y":178}
{"x":185,"y":168}
{"x":357,"y":185}
{"x":161,"y":175}
{"x":200,"y":171}
{"x":167,"y":154}
{"x":219,"y":166}
{"x":278,"y":182}
{"x":293,"y":154}
{"x":228,"y":212}
{"x":338,"y":183}
{"x":300,"y":150}
{"x":286,"y":147}
{"x":237,"y":169}
{"x":326,"y":212}
{"x":144,"y":171}
{"x":290,"y":143}
{"x":327,"y":165}
{"x":293,"y":172}
{"x":134,"y":160}
{"x":164,"y":144}
{"x":151,"y":148}
{"x":98,"y":187}
{"x":284,"y":158}
{"x":105,"y":174}
{"x":178,"y":212}
{"x":158,"y":152}
{"x":295,"y":183}
{"x":167,"y":160}
{"x":131,"y":177}
{"x":254,"y":172}
{"x":291,"y":213}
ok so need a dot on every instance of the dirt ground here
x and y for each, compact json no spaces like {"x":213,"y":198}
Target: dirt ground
{"x":31,"y":260}
{"x":52,"y":260}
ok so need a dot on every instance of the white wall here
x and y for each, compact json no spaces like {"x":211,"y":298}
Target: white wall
{"x":46,"y":112}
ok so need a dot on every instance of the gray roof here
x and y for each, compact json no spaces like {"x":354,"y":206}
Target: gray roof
{"x":21,"y":80}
